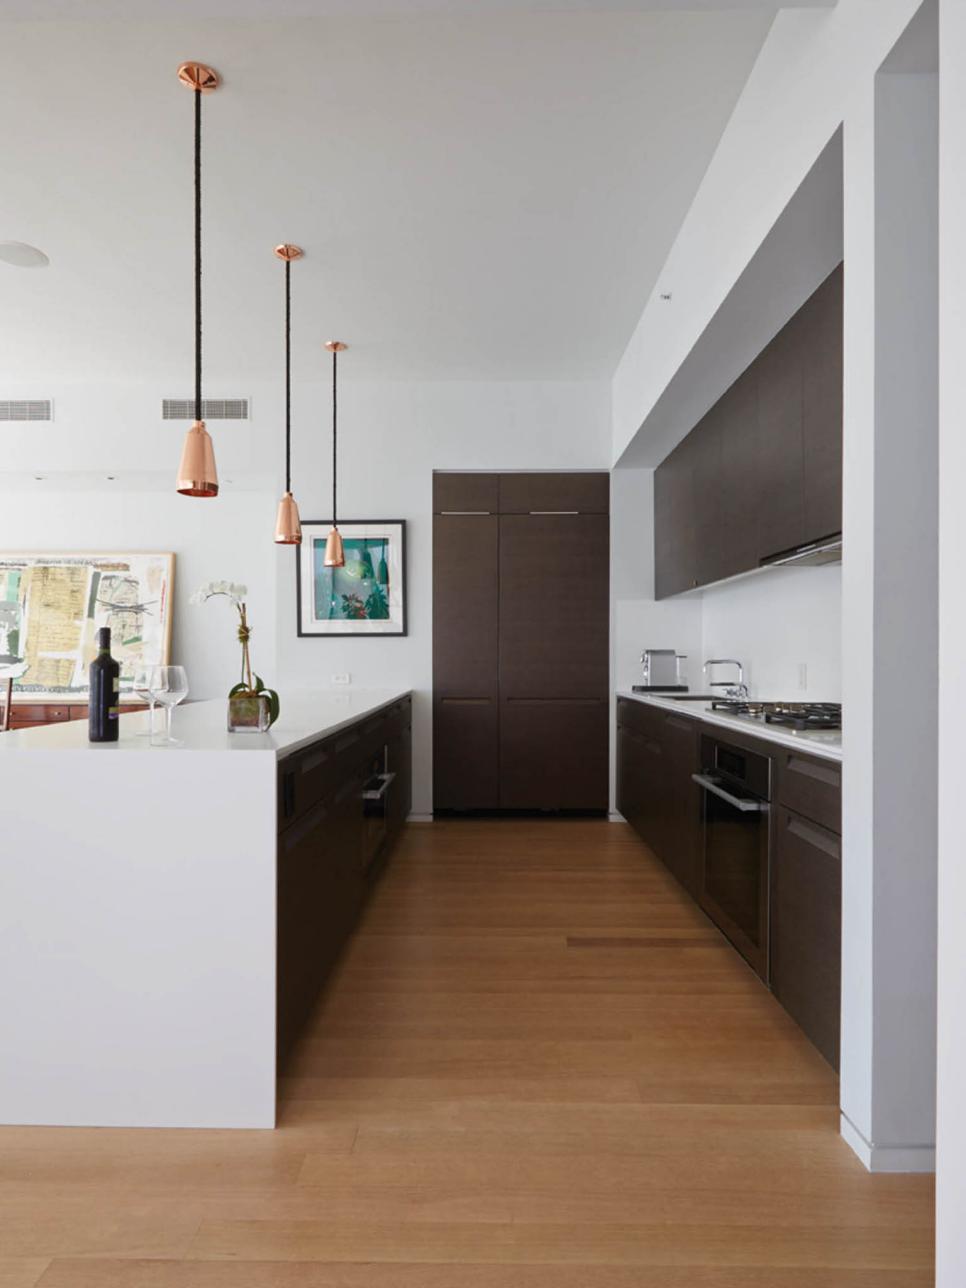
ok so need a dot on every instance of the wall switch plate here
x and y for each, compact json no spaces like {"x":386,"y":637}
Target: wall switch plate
{"x":343,"y":677}
{"x":803,"y":676}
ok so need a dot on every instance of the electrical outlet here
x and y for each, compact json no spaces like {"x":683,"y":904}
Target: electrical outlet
{"x":803,"y":676}
{"x":343,"y":677}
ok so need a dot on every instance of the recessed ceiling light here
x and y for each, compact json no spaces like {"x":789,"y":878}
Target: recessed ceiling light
{"x":20,"y":255}
{"x":39,"y":478}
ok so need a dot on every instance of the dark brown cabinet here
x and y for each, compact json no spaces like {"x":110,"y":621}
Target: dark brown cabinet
{"x":333,"y":839}
{"x":553,"y":754}
{"x":780,"y":476}
{"x":657,"y":753}
{"x":806,"y":927}
{"x":733,"y":543}
{"x":554,"y":493}
{"x":466,"y":658}
{"x":675,"y":537}
{"x":821,"y":322}
{"x":761,"y":473}
{"x":553,"y":606}
{"x":520,"y":643}
{"x":466,"y":493}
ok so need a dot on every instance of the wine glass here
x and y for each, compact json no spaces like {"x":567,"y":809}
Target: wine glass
{"x":169,"y":686}
{"x":141,"y":685}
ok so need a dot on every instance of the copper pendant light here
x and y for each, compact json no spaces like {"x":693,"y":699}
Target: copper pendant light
{"x":288,"y":527}
{"x":197,"y":475}
{"x":334,"y":552}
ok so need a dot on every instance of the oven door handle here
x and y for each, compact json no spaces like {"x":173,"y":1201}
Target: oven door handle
{"x":746,"y":806}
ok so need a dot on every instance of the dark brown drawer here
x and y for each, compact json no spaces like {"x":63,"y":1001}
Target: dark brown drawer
{"x":811,"y":787}
{"x":304,"y":779}
{"x":38,"y":713}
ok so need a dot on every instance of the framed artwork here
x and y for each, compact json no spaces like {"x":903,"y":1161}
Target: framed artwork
{"x":368,"y":595}
{"x":52,"y":605}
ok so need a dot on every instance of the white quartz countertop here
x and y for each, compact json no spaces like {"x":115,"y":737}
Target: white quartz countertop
{"x":201,"y":726}
{"x":815,"y":742}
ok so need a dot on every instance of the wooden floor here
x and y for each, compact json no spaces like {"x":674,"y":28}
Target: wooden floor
{"x":539,"y":1067}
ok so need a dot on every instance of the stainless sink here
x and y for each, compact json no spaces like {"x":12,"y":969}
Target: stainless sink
{"x":691,"y":697}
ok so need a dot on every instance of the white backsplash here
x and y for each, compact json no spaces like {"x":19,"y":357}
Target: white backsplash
{"x":785,"y":625}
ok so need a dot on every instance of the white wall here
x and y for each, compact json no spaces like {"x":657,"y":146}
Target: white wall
{"x":392,"y":437}
{"x":640,"y":621}
{"x":775,"y":622}
{"x":211,"y":540}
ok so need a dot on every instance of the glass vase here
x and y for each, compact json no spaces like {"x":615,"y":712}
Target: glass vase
{"x":248,"y":713}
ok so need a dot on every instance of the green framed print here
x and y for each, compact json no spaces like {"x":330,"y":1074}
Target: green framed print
{"x":367,"y":596}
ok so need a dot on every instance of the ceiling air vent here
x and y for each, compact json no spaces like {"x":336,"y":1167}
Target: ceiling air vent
{"x":26,"y":409}
{"x":211,"y":409}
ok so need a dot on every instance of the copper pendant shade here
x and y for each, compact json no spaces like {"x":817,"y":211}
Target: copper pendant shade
{"x":334,"y":550}
{"x":198,"y":475}
{"x":288,"y":526}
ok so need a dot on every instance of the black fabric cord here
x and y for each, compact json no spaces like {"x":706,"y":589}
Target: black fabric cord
{"x":198,"y":402}
{"x":335,"y":423}
{"x":288,"y":375}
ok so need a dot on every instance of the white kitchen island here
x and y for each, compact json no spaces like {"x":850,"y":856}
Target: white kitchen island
{"x":138,"y":917}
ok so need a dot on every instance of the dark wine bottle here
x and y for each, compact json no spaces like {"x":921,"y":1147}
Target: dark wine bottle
{"x":105,"y":684}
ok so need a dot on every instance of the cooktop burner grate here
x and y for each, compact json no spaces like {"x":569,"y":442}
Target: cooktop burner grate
{"x":791,"y":715}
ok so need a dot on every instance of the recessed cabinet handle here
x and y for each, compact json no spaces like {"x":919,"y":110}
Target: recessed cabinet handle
{"x":313,"y":762}
{"x":808,"y":769}
{"x":813,"y":836}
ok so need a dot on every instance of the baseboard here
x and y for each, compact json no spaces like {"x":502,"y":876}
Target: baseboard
{"x":419,"y":818}
{"x":614,"y":817}
{"x":887,"y":1158}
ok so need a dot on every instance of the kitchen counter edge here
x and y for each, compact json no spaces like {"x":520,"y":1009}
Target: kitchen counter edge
{"x":201,"y":726}
{"x":825,"y":744}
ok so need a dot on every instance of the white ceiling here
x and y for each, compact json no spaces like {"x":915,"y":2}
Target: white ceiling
{"x":486,"y":197}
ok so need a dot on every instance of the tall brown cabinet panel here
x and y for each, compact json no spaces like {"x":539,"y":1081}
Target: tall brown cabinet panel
{"x":520,"y":649}
{"x":466,"y":660}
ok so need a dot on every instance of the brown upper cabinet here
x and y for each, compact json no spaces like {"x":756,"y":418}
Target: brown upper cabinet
{"x":761,"y":473}
{"x":466,"y":493}
{"x":554,"y":493}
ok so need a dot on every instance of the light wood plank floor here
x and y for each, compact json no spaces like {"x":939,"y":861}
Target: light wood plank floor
{"x":538,"y":1067}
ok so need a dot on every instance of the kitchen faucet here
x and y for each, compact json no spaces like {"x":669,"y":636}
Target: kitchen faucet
{"x":733,"y":689}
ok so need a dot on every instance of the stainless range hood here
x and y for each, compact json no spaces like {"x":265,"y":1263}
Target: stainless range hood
{"x":826,"y":551}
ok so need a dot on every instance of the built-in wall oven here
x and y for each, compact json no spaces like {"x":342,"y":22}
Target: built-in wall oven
{"x":733,"y":881}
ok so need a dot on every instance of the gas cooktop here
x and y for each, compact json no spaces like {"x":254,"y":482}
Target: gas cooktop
{"x":792,"y":715}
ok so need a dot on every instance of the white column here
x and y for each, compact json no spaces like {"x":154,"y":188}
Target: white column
{"x":951,"y":1133}
{"x":890,"y":627}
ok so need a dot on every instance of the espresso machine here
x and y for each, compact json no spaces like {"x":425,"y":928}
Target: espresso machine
{"x":663,"y":672}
